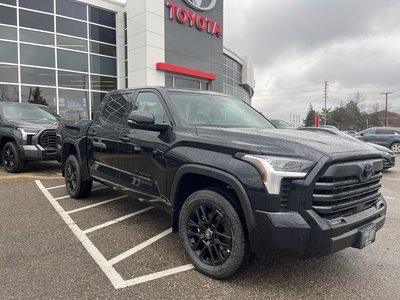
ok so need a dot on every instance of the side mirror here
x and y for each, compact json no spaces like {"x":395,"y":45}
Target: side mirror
{"x":140,"y":118}
{"x":361,"y":134}
{"x":144,"y":120}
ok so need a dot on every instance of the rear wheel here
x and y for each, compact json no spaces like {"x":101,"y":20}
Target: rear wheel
{"x":10,"y":157}
{"x":213,"y":234}
{"x":76,"y":187}
{"x":395,"y":147}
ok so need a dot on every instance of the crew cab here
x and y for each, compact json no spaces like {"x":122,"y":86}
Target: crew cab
{"x":232,"y":182}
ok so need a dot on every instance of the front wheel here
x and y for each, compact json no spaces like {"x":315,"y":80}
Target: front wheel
{"x":76,"y":187}
{"x":395,"y":147}
{"x":213,"y":234}
{"x":11,"y":160}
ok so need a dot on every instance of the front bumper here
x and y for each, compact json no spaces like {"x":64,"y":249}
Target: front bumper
{"x":389,"y":162}
{"x":37,"y":152}
{"x":306,"y":234}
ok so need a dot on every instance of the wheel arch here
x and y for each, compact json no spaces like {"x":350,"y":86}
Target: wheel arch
{"x":216,"y":176}
{"x":4,"y":140}
{"x":69,"y":147}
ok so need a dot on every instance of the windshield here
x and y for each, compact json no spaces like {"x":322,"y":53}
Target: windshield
{"x":36,"y":113}
{"x":216,"y":111}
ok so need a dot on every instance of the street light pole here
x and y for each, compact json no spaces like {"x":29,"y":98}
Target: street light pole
{"x":386,"y":110}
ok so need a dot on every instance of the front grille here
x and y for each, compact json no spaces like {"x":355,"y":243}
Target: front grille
{"x":48,"y":139}
{"x":343,"y":190}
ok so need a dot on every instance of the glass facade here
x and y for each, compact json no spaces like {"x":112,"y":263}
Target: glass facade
{"x":233,"y":78}
{"x":63,"y":54}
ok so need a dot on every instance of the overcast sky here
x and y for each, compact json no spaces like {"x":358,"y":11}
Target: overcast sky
{"x":297,"y":45}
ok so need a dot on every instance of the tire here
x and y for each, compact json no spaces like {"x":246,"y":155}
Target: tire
{"x":213,"y":234}
{"x":395,"y":147}
{"x":11,"y":160}
{"x":76,"y":187}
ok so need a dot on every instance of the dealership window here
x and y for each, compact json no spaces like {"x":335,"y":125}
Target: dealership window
{"x":8,"y":52}
{"x":38,"y":76}
{"x":69,"y":60}
{"x":126,"y":48}
{"x":71,"y":27}
{"x":71,"y":9}
{"x":40,"y":95}
{"x":103,"y":83}
{"x":102,"y":17}
{"x":232,"y":79}
{"x":102,"y":34}
{"x":103,"y":65}
{"x":8,"y":73}
{"x":73,"y":80}
{"x":8,"y":33}
{"x":103,"y":49}
{"x":42,"y":5}
{"x":36,"y":37}
{"x":73,"y":105}
{"x":9,"y":93}
{"x":8,"y":15}
{"x":37,"y":56}
{"x":9,"y":2}
{"x":36,"y":20}
{"x":71,"y":43}
{"x":182,"y":82}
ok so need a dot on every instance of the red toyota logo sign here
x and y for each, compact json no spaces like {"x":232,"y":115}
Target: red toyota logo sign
{"x":200,"y":4}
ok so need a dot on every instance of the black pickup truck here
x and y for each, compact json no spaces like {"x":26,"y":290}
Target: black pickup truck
{"x":232,"y":182}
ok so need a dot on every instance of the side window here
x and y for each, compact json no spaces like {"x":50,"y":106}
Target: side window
{"x":369,"y":131}
{"x":148,"y":101}
{"x":114,"y":110}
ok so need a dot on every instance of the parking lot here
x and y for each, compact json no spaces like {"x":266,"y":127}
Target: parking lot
{"x":110,"y":246}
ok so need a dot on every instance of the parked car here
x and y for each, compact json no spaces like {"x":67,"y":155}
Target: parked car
{"x":233,"y":183}
{"x":385,"y":136}
{"x":27,"y":133}
{"x":281,"y":124}
{"x":388,"y":156}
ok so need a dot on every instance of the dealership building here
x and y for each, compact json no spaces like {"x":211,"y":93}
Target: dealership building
{"x":68,"y":54}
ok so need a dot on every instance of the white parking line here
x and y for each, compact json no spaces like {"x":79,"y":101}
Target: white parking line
{"x":115,"y":278}
{"x":139,"y":247}
{"x":100,"y":188}
{"x":63,"y":197}
{"x":117,"y":220}
{"x":107,"y":266}
{"x":390,"y":198}
{"x":55,"y":187}
{"x":388,"y":178}
{"x":94,"y":205}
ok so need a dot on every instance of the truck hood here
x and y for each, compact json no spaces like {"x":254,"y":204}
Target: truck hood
{"x":40,"y":125}
{"x":293,"y":143}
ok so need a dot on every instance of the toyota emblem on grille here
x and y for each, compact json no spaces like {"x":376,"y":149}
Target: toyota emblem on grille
{"x":200,"y":4}
{"x":367,"y":173}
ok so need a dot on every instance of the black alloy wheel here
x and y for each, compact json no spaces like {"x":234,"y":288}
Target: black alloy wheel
{"x":210,"y":234}
{"x":213,"y":234}
{"x":77,"y":188}
{"x":11,"y":160}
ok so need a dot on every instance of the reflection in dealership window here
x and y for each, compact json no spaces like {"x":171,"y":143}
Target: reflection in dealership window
{"x":8,"y":93}
{"x":73,"y":105}
{"x":39,"y":95}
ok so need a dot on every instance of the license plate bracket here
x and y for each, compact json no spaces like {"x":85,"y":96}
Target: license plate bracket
{"x":367,"y":235}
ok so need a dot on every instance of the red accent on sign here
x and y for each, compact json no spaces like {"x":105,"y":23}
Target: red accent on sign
{"x":317,"y":121}
{"x":185,"y":71}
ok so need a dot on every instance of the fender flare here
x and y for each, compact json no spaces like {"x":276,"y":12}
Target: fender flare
{"x":84,"y":167}
{"x":221,"y":176}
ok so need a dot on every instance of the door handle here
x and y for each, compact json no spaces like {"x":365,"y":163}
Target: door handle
{"x":93,"y":133}
{"x":125,"y":139}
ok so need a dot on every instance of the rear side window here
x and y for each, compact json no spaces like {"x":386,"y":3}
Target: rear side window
{"x":115,"y":109}
{"x":385,"y":131}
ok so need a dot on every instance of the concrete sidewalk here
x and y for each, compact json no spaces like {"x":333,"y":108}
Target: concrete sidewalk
{"x":36,"y":170}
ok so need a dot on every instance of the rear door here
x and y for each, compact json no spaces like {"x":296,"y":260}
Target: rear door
{"x":106,"y":145}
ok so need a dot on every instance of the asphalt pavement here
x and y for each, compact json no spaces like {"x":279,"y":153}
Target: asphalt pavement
{"x":110,"y":246}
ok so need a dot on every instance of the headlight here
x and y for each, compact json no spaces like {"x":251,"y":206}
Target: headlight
{"x":274,"y":169}
{"x":386,"y":154}
{"x":27,"y":131}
